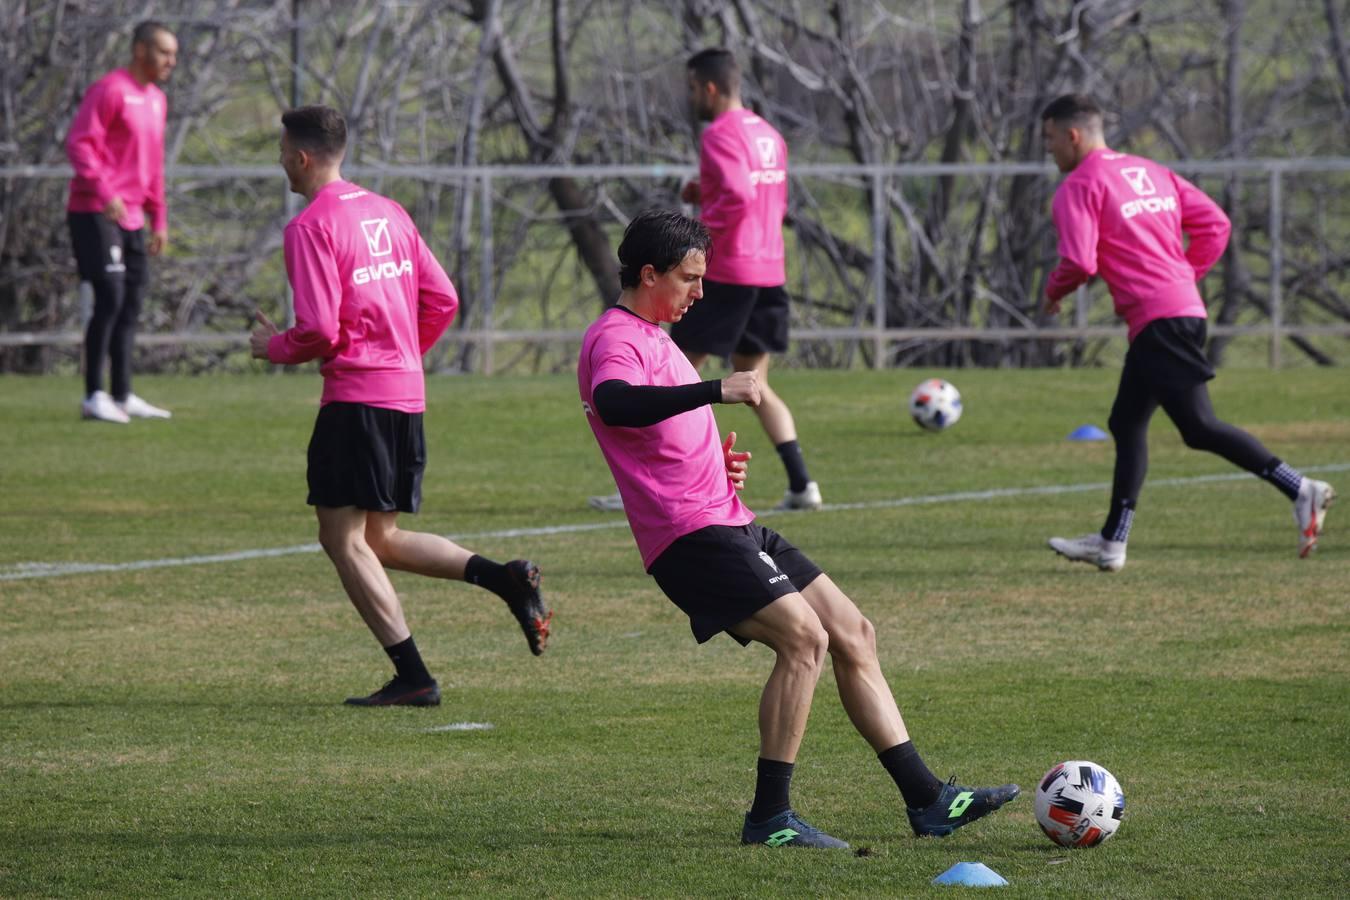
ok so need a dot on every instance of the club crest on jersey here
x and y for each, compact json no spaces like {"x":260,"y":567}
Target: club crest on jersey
{"x":1139,"y":181}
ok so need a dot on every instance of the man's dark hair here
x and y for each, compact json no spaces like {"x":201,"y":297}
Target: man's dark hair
{"x":319,"y":130}
{"x":145,"y":32}
{"x":716,"y":65}
{"x":660,"y":239}
{"x":1072,"y":110}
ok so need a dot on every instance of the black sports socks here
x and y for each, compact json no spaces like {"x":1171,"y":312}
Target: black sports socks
{"x":771,"y":789}
{"x":917,"y":785}
{"x":408,"y":663}
{"x":488,"y":574}
{"x":791,"y":454}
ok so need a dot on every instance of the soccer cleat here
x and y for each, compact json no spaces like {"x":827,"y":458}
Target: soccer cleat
{"x":101,"y":407}
{"x":807,"y":498}
{"x":1109,"y":556}
{"x":1310,"y":511}
{"x":956,"y":806}
{"x":397,"y":693}
{"x":528,"y":605}
{"x":788,"y":830}
{"x":607,"y":503}
{"x":137,"y":408}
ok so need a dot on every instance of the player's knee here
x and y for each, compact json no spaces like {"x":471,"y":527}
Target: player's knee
{"x":854,"y":641}
{"x":806,"y":645}
{"x":338,"y":543}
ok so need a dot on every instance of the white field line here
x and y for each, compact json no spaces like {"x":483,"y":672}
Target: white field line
{"x":25,"y":570}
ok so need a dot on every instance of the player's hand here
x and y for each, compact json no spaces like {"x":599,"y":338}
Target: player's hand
{"x":735,"y":461}
{"x":741,"y":387}
{"x":257,"y":341}
{"x":115,"y":210}
{"x":690,"y":193}
{"x":159,"y":242}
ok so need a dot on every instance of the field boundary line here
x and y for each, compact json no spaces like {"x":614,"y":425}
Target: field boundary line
{"x":29,"y":570}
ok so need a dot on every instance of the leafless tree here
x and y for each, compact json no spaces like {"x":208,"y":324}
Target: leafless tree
{"x":462,"y":83}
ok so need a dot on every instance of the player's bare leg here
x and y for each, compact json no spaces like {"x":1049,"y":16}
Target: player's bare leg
{"x":866,"y":696}
{"x":934,"y":809}
{"x":773,"y":413}
{"x":414,"y":551}
{"x":792,"y":630}
{"x":516,"y":582}
{"x":342,"y":533}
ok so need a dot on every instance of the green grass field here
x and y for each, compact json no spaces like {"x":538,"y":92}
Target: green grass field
{"x":177,"y":729}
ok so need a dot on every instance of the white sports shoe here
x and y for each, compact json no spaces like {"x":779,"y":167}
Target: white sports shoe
{"x":807,"y":498}
{"x":1109,"y":556}
{"x":100,"y":406}
{"x":1310,"y":511}
{"x":607,"y":503}
{"x":135,"y":406}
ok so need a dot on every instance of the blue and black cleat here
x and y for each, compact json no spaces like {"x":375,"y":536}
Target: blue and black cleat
{"x":787,"y":830}
{"x":956,"y":806}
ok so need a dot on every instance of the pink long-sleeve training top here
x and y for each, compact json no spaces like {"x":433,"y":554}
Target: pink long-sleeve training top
{"x":370,"y":298}
{"x":742,"y":175}
{"x":116,"y":146}
{"x":1122,"y":217}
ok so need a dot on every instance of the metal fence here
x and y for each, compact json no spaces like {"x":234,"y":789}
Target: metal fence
{"x":865,"y":321}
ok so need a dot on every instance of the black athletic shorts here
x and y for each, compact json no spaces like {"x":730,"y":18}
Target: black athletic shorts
{"x":724,"y":574}
{"x":366,"y":457}
{"x":1168,"y":355}
{"x":734,"y":318}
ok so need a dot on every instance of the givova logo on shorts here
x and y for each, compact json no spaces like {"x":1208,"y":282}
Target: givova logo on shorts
{"x":768,"y":561}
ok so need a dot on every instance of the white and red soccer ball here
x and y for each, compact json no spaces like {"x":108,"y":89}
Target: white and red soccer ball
{"x":935,"y":404}
{"x":1079,"y":804}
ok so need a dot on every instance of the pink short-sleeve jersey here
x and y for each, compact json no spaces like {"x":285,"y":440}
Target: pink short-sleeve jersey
{"x":1123,"y":217}
{"x":671,"y":475}
{"x":370,"y":298}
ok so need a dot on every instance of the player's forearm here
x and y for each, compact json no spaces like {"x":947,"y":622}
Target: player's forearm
{"x":624,"y":405}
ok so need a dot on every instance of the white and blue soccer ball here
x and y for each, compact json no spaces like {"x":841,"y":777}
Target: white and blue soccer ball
{"x":1079,"y":804}
{"x":935,"y":404}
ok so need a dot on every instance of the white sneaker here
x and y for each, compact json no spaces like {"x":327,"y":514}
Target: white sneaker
{"x":1109,"y":556}
{"x":100,"y":406}
{"x":807,"y":498}
{"x":607,"y":503}
{"x":135,"y":406}
{"x":1310,"y":511}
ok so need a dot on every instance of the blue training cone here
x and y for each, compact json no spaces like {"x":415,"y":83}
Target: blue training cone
{"x":1088,"y":433}
{"x":971,"y":875}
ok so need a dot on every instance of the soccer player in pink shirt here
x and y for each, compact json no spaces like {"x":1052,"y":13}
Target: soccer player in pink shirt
{"x":742,"y":196}
{"x":116,"y":146}
{"x":370,"y":300}
{"x":1122,"y":218}
{"x":651,"y":416}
